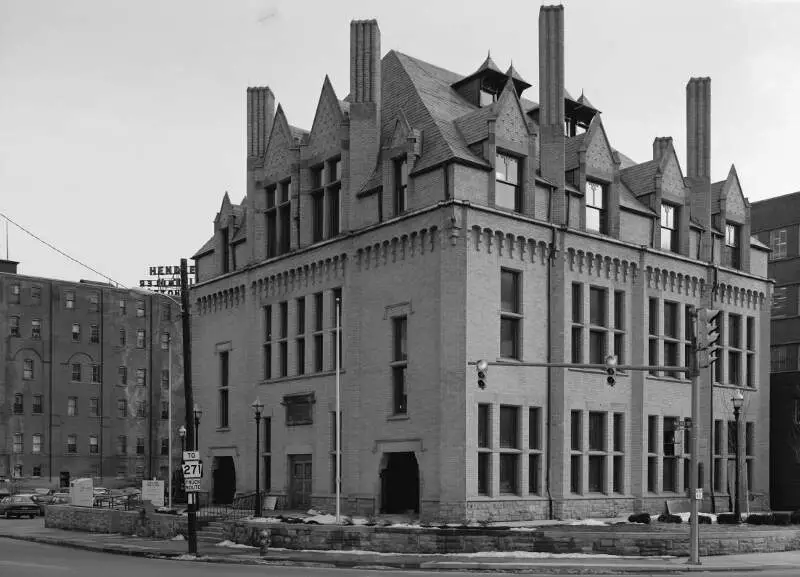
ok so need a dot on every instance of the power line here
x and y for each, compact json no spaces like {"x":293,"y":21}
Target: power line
{"x":58,"y":250}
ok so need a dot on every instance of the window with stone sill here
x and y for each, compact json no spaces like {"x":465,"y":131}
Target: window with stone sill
{"x":400,"y":185}
{"x":123,"y":375}
{"x":94,"y":447}
{"x":596,"y":207}
{"x":13,"y":326}
{"x":777,"y":244}
{"x":37,"y":444}
{"x":72,"y":444}
{"x":94,"y":334}
{"x":140,"y":445}
{"x":732,"y":249}
{"x":508,"y":192}
{"x":141,"y":409}
{"x":299,"y":409}
{"x":36,"y":329}
{"x":76,"y":372}
{"x":76,"y":332}
{"x":27,"y":369}
{"x":669,"y":227}
{"x":69,"y":299}
{"x":94,"y":303}
{"x":510,"y":314}
{"x":19,"y":406}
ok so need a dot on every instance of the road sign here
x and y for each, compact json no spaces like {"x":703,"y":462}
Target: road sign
{"x":191,"y":455}
{"x":192,"y":470}
{"x":698,"y":494}
{"x":192,"y":485}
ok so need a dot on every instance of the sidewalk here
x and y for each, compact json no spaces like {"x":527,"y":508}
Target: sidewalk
{"x":512,"y":561}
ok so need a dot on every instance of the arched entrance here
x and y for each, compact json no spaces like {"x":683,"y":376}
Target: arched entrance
{"x":224,"y":477}
{"x":399,"y":483}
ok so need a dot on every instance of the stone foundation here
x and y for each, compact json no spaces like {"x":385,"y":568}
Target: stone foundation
{"x":94,"y":520}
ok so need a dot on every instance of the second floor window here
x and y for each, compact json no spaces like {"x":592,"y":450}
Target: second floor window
{"x":19,"y":404}
{"x":669,"y":228}
{"x":13,"y":326}
{"x":507,"y":193}
{"x":510,"y":314}
{"x":732,"y":245}
{"x":94,"y":334}
{"x":76,"y":332}
{"x":141,"y":377}
{"x":777,"y":244}
{"x":400,"y":186}
{"x":38,"y":406}
{"x":140,"y":339}
{"x":36,"y":329}
{"x":69,"y":300}
{"x":596,"y":214}
{"x":27,"y":369}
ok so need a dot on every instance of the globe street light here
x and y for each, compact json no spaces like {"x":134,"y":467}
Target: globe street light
{"x":258,"y":406}
{"x":738,"y":401}
{"x":197,"y":414}
{"x":182,"y":435}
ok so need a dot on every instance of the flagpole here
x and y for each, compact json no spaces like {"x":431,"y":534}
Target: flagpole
{"x":338,"y":419}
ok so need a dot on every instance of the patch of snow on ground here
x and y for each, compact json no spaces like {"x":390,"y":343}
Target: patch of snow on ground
{"x":186,"y":557}
{"x":359,"y":520}
{"x":407,"y":525}
{"x":233,"y":545}
{"x":523,"y":529}
{"x":268,"y":520}
{"x":178,"y":538}
{"x":535,"y":555}
{"x":591,"y":522}
{"x":322,"y":519}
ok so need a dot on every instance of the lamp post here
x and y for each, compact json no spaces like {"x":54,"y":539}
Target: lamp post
{"x":182,"y":435}
{"x":258,"y":406}
{"x":197,"y":412}
{"x":738,"y":401}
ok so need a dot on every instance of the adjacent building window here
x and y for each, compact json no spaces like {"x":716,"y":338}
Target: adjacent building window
{"x":318,"y":334}
{"x":669,"y":228}
{"x":37,"y":444}
{"x":165,"y":446}
{"x":139,"y":309}
{"x":733,"y":245}
{"x":123,"y":337}
{"x":72,"y":406}
{"x":19,"y":444}
{"x":596,"y":211}
{"x":13,"y":326}
{"x":94,"y":407}
{"x":781,"y":305}
{"x":140,"y":445}
{"x":165,"y":341}
{"x":69,"y":299}
{"x":510,"y":314}
{"x":399,"y":365}
{"x":38,"y":406}
{"x":72,"y":444}
{"x":140,"y":333}
{"x":577,"y":323}
{"x":96,"y":374}
{"x":19,"y":404}
{"x":94,"y":447}
{"x":299,"y":409}
{"x":123,"y":307}
{"x":508,"y":193}
{"x":598,"y":323}
{"x":122,"y":445}
{"x":400,"y":186}
{"x":94,"y":303}
{"x":15,"y":291}
{"x":777,"y":244}
{"x":36,"y":329}
{"x":122,"y":408}
{"x":164,"y":410}
{"x":224,"y":375}
{"x":300,"y":343}
{"x":123,"y":375}
{"x":735,"y":349}
{"x":36,"y":293}
{"x":141,"y":409}
{"x":267,"y":342}
{"x":141,"y":377}
{"x":165,"y":378}
{"x":76,"y":372}
{"x":76,"y":332}
{"x":27,"y":369}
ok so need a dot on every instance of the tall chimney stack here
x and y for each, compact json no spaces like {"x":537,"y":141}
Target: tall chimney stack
{"x":698,"y":157}
{"x":660,"y":145}
{"x":365,"y":105}
{"x":260,"y":114}
{"x":551,"y":105}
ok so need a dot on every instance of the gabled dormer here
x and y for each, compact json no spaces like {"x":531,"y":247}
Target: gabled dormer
{"x":399,"y":155}
{"x":484,"y":86}
{"x":730,"y":215}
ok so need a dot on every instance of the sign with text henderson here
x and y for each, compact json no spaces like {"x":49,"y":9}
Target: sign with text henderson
{"x":167,"y":279}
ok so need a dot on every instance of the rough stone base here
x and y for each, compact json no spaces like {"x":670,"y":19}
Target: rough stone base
{"x":152,"y":525}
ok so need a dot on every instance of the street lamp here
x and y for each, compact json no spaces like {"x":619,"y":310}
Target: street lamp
{"x":738,"y":401}
{"x":197,"y":414}
{"x":258,"y":406}
{"x":182,"y":435}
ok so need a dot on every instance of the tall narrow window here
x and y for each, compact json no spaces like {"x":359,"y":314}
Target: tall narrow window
{"x":96,"y":373}
{"x":72,"y":444}
{"x":38,"y":405}
{"x":267,"y":453}
{"x":267,"y":342}
{"x":69,"y":299}
{"x":37,"y":444}
{"x":670,"y":463}
{"x":19,"y":406}
{"x":36,"y":329}
{"x":576,"y":457}
{"x":224,"y":409}
{"x":334,"y":216}
{"x":19,"y":444}
{"x":72,"y":406}
{"x":509,"y":439}
{"x":719,"y":481}
{"x":140,"y":445}
{"x":76,"y":372}
{"x":140,"y":309}
{"x":122,"y":445}
{"x":317,"y":216}
{"x":123,"y":337}
{"x":598,"y":321}
{"x":597,"y":452}
{"x":400,"y":186}
{"x":671,"y":337}
{"x":751,"y":352}
{"x":777,"y":244}
{"x":93,"y":445}
{"x":669,"y":228}
{"x":123,"y":375}
{"x":510,"y":314}
{"x":13,"y":326}
{"x":619,"y":326}
{"x":534,"y":450}
{"x":123,"y":307}
{"x":318,"y":334}
{"x":733,"y":245}
{"x":283,"y":352}
{"x":619,"y":453}
{"x":141,"y":377}
{"x":141,"y":409}
{"x":652,"y":453}
{"x":399,"y":365}
{"x":140,"y":334}
{"x":301,"y":341}
{"x":652,"y":322}
{"x":122,"y":408}
{"x":284,"y":217}
{"x":577,"y":323}
{"x":165,"y":341}
{"x":337,"y":306}
{"x":271,"y":221}
{"x":94,"y":334}
{"x":596,"y":217}
{"x":27,"y":369}
{"x":15,"y":292}
{"x":484,"y":448}
{"x":735,"y":350}
{"x":507,"y":188}
{"x":76,"y":333}
{"x":94,"y":303}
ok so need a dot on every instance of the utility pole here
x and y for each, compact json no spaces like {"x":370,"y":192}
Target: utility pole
{"x":188,"y":395}
{"x":695,"y":488}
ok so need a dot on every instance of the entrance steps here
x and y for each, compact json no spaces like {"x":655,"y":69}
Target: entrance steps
{"x":214,"y":532}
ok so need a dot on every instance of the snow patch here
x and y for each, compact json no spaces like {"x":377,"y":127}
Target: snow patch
{"x":321,"y":519}
{"x":590,"y":522}
{"x":232,"y":545}
{"x":266,"y":520}
{"x":178,"y":538}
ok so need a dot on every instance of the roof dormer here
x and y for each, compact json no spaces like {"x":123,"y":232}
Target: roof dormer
{"x":484,"y":86}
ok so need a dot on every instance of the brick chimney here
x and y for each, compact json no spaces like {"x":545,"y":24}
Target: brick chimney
{"x":660,"y":145}
{"x":365,"y":104}
{"x":260,"y":114}
{"x":698,"y":156}
{"x":551,"y":105}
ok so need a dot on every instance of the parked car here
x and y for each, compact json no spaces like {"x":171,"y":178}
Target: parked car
{"x":18,"y":506}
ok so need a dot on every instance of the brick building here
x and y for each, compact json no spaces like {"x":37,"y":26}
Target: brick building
{"x":458,"y":220}
{"x":776,"y":222}
{"x":85,"y":380}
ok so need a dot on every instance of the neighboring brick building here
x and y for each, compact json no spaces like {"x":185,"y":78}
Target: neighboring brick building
{"x":458,"y":221}
{"x":776,"y":222}
{"x":84,"y":380}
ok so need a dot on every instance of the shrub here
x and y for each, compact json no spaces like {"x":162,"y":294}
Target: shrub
{"x":796,"y":517}
{"x":726,"y":519}
{"x":759,"y":519}
{"x":640,"y":518}
{"x":784,"y":518}
{"x":664,"y":518}
{"x":702,"y":519}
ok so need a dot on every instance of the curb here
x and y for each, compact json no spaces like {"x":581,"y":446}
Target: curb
{"x":551,"y":568}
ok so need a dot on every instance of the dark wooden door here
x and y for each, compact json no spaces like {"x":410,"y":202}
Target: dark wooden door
{"x":300,"y":481}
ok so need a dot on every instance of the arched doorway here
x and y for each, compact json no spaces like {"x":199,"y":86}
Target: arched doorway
{"x":224,"y":477}
{"x":399,"y":483}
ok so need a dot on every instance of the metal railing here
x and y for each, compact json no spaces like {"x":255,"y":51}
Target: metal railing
{"x":242,"y":507}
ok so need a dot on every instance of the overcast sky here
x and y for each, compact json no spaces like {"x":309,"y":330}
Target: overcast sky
{"x":122,"y":123}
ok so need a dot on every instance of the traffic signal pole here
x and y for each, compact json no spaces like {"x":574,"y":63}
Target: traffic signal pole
{"x":695,"y":485}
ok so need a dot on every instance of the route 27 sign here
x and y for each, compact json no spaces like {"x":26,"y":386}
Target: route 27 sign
{"x":192,"y":470}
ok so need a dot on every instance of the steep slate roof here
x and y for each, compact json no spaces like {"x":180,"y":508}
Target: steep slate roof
{"x":205,"y":249}
{"x":625,"y":161}
{"x":441,"y":139}
{"x":629,"y":201}
{"x":776,"y":212}
{"x":640,"y":178}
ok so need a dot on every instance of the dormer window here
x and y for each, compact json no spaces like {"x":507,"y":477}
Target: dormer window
{"x":487,"y":97}
{"x":596,"y":212}
{"x":669,"y":229}
{"x":732,"y":256}
{"x":507,"y":192}
{"x":400,"y":186}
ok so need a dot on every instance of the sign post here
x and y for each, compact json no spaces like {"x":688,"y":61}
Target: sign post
{"x":192,"y":468}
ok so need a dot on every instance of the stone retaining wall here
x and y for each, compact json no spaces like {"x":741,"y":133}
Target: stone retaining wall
{"x":627,"y":540}
{"x":96,"y":520}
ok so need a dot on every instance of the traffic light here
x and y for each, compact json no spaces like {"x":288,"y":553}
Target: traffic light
{"x":611,"y":370}
{"x":707,"y":335}
{"x":483,"y":368}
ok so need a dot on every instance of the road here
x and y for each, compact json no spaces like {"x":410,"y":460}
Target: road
{"x":26,"y":559}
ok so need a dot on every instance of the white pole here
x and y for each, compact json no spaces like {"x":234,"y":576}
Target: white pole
{"x":338,"y":422}
{"x":169,"y":417}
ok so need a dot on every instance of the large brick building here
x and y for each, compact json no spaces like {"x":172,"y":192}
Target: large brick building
{"x":85,"y":380}
{"x":458,"y":220}
{"x":776,"y":222}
